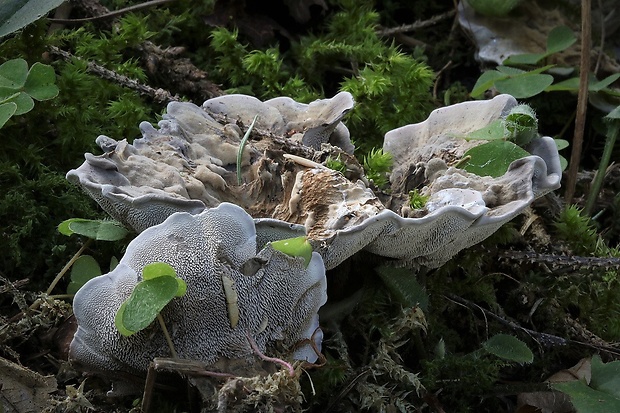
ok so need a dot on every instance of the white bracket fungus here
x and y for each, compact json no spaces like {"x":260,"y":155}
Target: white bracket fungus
{"x":275,"y":297}
{"x":190,"y":163}
{"x":177,"y":186}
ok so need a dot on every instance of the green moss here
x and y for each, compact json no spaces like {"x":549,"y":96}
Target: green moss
{"x":417,"y":200}
{"x":31,"y":206}
{"x":391,"y":88}
{"x":377,"y":165}
{"x":576,"y":230}
{"x":336,"y":164}
{"x":464,"y":380}
{"x":42,"y":145}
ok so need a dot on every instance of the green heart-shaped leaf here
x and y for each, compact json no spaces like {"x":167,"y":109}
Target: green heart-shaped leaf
{"x":40,"y":83}
{"x":159,"y":269}
{"x":485,"y":82}
{"x":602,"y":84}
{"x":148,"y":298}
{"x":13,"y":74}
{"x":494,"y":130}
{"x":524,"y":86}
{"x":524,"y":59}
{"x":295,"y":247}
{"x":492,"y":158}
{"x":100,"y":230}
{"x":23,"y":101}
{"x":560,"y":38}
{"x":83,"y":269}
{"x":6,"y":111}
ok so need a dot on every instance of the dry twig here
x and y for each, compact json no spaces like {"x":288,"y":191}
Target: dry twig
{"x":158,"y":95}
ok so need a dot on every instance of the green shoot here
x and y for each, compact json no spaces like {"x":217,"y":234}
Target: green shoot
{"x":377,"y":165}
{"x":336,"y":164}
{"x":241,"y":146}
{"x":417,"y":200}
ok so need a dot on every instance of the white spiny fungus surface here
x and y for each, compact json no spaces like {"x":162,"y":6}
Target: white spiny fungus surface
{"x":276,"y":303}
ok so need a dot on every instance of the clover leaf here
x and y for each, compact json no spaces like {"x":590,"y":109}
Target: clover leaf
{"x":20,"y":86}
{"x":7,"y":110}
{"x":83,"y":269}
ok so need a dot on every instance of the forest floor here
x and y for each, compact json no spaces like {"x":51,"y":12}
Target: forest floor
{"x":545,"y":284}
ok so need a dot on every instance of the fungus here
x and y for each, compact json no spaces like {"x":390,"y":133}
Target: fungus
{"x":275,"y":297}
{"x":190,"y":164}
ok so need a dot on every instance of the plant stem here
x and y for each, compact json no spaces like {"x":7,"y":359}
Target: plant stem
{"x":241,"y":146}
{"x":288,"y":366}
{"x":612,"y":133}
{"x":168,"y":339}
{"x":61,"y":296}
{"x":582,"y":101}
{"x":114,"y":13}
{"x":67,"y":266}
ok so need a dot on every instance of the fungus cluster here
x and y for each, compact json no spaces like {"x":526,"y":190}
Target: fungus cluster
{"x":176,"y":185}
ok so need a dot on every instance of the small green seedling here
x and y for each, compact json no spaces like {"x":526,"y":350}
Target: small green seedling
{"x":377,"y":164}
{"x":19,"y":86}
{"x":295,"y":247}
{"x":99,"y":230}
{"x":83,"y":268}
{"x":159,"y":285}
{"x":336,"y":164}
{"x":417,"y":200}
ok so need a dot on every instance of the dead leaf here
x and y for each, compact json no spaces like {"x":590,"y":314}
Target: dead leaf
{"x":580,"y":371}
{"x":544,"y":402}
{"x":22,"y":390}
{"x":554,"y":401}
